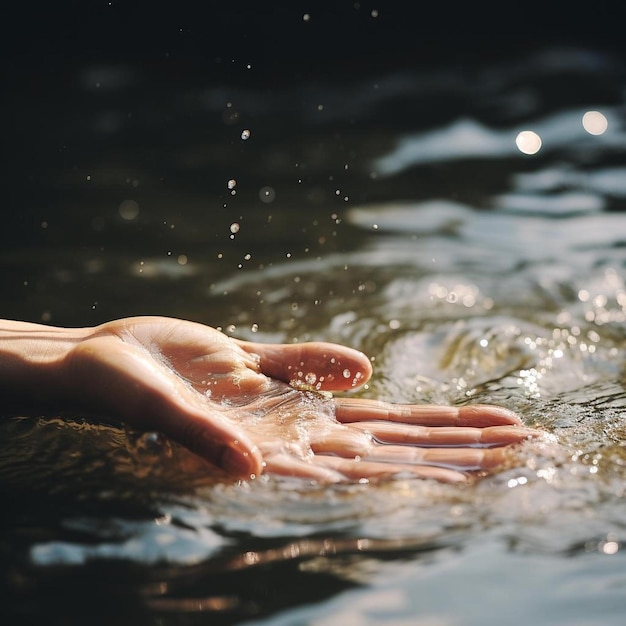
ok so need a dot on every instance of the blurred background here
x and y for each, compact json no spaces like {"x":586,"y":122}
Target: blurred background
{"x":138,"y":135}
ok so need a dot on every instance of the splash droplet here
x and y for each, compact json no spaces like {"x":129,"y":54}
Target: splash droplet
{"x":267,"y":194}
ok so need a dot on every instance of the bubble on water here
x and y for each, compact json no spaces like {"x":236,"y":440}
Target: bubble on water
{"x":254,"y":328}
{"x":306,"y":17}
{"x":267,"y":194}
{"x":310,"y":378}
{"x":346,"y":373}
{"x":234,"y":228}
{"x":182,"y":259}
{"x":232,"y":183}
{"x":245,"y":134}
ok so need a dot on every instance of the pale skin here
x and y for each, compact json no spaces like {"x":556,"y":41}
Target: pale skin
{"x":231,"y":402}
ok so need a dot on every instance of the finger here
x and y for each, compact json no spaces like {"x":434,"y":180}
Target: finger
{"x":219,"y":444}
{"x":479,"y":415}
{"x":466,"y":459}
{"x":191,"y":421}
{"x":390,"y":432}
{"x":343,"y":441}
{"x":286,"y":465}
{"x":356,"y":470}
{"x":323,"y":366}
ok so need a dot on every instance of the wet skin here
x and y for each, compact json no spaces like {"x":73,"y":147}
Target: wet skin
{"x":231,"y":401}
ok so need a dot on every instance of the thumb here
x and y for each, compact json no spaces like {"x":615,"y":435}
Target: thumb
{"x":325,"y":366}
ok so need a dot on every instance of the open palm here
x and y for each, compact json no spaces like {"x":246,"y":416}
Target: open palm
{"x":251,"y":408}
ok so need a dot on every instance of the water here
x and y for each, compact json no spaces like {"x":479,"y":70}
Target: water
{"x":394,"y":214}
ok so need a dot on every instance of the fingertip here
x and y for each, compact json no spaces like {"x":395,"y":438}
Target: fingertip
{"x":238,"y":457}
{"x":345,"y":369}
{"x":488,"y":415}
{"x":241,"y":462}
{"x":326,"y":366}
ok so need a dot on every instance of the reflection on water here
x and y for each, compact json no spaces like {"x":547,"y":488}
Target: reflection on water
{"x":401,"y":217}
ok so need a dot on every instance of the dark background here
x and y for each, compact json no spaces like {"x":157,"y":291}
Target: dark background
{"x":60,"y":211}
{"x":340,"y":36}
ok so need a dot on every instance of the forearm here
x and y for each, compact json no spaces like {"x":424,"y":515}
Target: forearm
{"x":33,"y":376}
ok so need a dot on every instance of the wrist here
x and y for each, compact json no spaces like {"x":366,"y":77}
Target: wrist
{"x":33,"y":378}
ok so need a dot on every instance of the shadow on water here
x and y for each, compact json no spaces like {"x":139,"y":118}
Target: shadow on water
{"x":381,"y":202}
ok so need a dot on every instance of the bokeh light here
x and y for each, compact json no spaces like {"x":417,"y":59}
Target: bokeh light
{"x":528,"y":142}
{"x":595,"y":123}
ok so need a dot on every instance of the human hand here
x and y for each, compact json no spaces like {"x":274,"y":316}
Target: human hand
{"x":229,"y":401}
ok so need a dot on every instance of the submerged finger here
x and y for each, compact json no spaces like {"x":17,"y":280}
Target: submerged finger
{"x":319,"y":365}
{"x":366,"y":469}
{"x":465,"y":459}
{"x":287,"y":465}
{"x":478,"y":415}
{"x":398,"y":433}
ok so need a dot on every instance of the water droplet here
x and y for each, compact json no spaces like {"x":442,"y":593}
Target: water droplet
{"x":232,"y":183}
{"x":310,"y":378}
{"x":234,"y":227}
{"x":254,"y":328}
{"x":267,"y":194}
{"x":245,"y":134}
{"x":346,"y":373}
